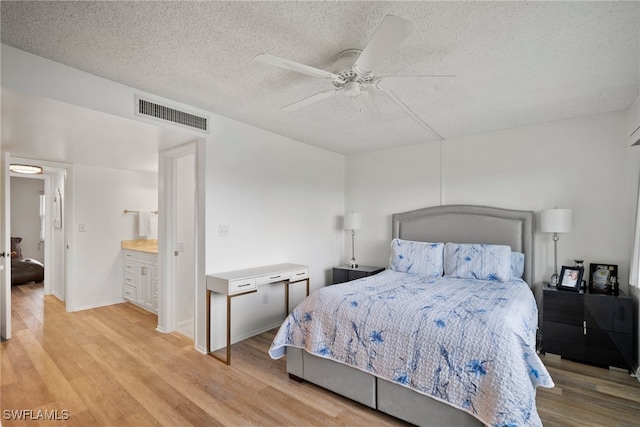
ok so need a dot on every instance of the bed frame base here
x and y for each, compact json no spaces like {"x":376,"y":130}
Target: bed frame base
{"x":373,"y":392}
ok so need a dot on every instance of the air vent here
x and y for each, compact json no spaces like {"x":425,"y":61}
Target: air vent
{"x":152,"y":109}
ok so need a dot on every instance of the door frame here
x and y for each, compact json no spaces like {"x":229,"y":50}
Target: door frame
{"x":5,"y":246}
{"x":52,"y":169}
{"x":167,"y":310}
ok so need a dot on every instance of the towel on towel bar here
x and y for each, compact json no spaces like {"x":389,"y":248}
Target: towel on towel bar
{"x":144,"y":223}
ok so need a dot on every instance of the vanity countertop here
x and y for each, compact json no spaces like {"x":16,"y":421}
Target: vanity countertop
{"x":141,"y":245}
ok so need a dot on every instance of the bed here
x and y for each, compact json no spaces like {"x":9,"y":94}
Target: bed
{"x":389,"y":342}
{"x":24,"y":270}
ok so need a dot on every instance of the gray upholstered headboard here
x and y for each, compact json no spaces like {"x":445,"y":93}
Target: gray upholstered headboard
{"x":471,"y":224}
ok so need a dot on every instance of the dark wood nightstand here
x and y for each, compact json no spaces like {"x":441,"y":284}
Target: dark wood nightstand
{"x":344,"y":273}
{"x":591,"y":328}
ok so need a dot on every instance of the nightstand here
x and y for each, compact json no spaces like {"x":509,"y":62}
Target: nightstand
{"x":344,"y":273}
{"x":591,"y":328}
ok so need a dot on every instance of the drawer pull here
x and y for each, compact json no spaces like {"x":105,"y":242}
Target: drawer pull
{"x":246,"y":284}
{"x":300,"y":274}
{"x":274,"y":277}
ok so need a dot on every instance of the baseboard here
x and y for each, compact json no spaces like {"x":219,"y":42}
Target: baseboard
{"x":256,"y":332}
{"x":217,"y":346}
{"x":185,"y":324}
{"x":102,"y":304}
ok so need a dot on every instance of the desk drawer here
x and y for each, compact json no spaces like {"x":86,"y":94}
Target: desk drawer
{"x":242,"y":285}
{"x":272,"y":278}
{"x":299,"y":274}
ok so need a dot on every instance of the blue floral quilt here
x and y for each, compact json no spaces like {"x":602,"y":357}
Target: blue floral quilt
{"x":469,"y":343}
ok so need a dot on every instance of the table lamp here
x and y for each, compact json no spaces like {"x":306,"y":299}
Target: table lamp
{"x":555,"y":221}
{"x":352,"y":222}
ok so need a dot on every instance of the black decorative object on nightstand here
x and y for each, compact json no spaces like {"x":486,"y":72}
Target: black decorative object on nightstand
{"x":344,"y":273}
{"x":591,"y":328}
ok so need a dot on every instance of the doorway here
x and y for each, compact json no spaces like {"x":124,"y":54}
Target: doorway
{"x":184,"y":253}
{"x":56,"y":178}
{"x":28,"y":227}
{"x":178,"y":241}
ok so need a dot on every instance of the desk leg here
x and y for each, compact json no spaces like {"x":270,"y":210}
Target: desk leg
{"x":209,"y":352}
{"x":208,"y":325}
{"x":286,"y":295}
{"x":228,"y":360}
{"x":228,"y":329}
{"x":286,"y":298}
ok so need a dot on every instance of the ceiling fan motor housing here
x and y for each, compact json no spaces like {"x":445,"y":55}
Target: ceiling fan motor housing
{"x":343,"y":68}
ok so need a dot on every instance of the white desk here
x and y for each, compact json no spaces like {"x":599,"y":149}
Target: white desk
{"x":243,"y":282}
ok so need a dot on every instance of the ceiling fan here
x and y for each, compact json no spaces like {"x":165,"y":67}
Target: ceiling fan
{"x":354,"y":71}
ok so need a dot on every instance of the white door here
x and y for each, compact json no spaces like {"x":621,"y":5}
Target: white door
{"x":5,"y":249}
{"x":185,"y":243}
{"x":179,"y":244}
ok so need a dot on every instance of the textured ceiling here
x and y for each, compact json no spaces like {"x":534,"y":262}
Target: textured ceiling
{"x":515,"y":63}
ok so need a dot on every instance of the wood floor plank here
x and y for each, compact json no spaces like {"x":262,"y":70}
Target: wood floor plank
{"x":110,"y":367}
{"x":55,"y":382}
{"x":143,"y":394}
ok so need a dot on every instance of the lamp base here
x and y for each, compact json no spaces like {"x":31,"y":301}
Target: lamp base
{"x":554,"y":279}
{"x":352,"y":263}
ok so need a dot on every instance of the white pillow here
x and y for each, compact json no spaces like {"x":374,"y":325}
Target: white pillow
{"x":517,"y":265}
{"x":423,"y":258}
{"x":477,"y":261}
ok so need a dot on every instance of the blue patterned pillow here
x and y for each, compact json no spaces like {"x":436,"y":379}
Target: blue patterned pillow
{"x":476,"y":261}
{"x":421,"y":258}
{"x":517,"y":265}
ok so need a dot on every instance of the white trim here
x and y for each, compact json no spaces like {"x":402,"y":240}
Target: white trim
{"x":5,"y":246}
{"x":102,"y":304}
{"x":167,"y":321}
{"x":635,"y":255}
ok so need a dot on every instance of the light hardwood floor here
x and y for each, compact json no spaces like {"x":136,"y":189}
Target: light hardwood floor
{"x":108,"y":366}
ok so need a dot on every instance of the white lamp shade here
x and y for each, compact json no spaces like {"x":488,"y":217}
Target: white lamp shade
{"x":352,"y":221}
{"x":555,"y":220}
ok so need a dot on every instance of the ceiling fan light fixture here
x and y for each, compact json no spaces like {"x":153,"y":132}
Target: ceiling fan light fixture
{"x":25,"y":169}
{"x":352,"y":88}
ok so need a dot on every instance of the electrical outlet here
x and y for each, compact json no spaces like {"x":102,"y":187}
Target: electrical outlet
{"x":223,"y":231}
{"x":265,"y":299}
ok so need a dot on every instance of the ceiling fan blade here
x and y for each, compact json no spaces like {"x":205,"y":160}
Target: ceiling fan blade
{"x":429,"y":83}
{"x":310,"y":100}
{"x":365,"y":105}
{"x":413,"y":115}
{"x":392,"y":31}
{"x":294,"y":66}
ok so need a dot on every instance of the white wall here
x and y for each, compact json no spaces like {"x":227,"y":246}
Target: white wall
{"x":100,"y":197}
{"x":25,"y":215}
{"x":582,"y":164}
{"x":282,"y":201}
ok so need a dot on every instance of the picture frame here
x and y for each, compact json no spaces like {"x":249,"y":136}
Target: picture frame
{"x":570,"y":278}
{"x":600,"y":275}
